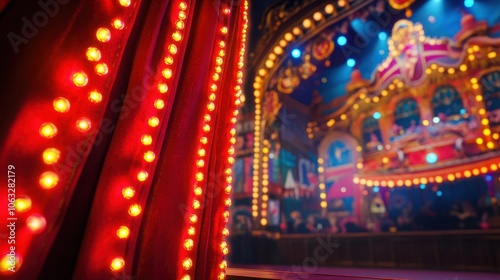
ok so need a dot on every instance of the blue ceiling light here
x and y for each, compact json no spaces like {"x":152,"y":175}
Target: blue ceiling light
{"x":439,"y":193}
{"x":431,"y":158}
{"x":422,"y":186}
{"x":296,"y":53}
{"x":351,"y":62}
{"x":382,"y":36}
{"x":489,"y":178}
{"x":469,"y":3}
{"x":376,"y":189}
{"x":377,"y":115}
{"x":341,"y":40}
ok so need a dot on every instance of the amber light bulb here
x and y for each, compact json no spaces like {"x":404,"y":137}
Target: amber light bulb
{"x":123,"y":232}
{"x":95,"y":96}
{"x":128,"y":192}
{"x":48,"y":130}
{"x":51,"y":155}
{"x":36,"y":223}
{"x":103,"y":34}
{"x":61,"y":105}
{"x":80,"y":79}
{"x":48,"y":180}
{"x":93,"y":54}
{"x":83,"y":124}
{"x":118,"y":24}
{"x":117,"y":264}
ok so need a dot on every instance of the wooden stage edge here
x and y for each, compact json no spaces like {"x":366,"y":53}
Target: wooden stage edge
{"x":253,"y":273}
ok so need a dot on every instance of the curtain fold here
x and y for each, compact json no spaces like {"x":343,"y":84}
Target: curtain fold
{"x":116,"y":123}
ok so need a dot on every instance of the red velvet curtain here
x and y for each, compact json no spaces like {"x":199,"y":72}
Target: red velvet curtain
{"x":116,"y":137}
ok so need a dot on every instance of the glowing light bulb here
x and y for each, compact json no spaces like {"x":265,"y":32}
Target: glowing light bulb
{"x":146,"y":139}
{"x":134,"y":210}
{"x":182,"y":15}
{"x":123,"y":232}
{"x":167,"y":73}
{"x":83,"y":124}
{"x":103,"y":34}
{"x":124,"y":3}
{"x":159,"y":104}
{"x":22,"y":204}
{"x":182,"y":5}
{"x":48,"y":130}
{"x":128,"y":192}
{"x":200,"y":163}
{"x":117,"y":23}
{"x":36,"y":223}
{"x":201,"y":152}
{"x":211,"y":106}
{"x":203,"y":140}
{"x":223,"y":30}
{"x":149,"y":156}
{"x":95,"y":96}
{"x":187,"y":263}
{"x":193,"y":218}
{"x":186,"y":277}
{"x":225,"y":232}
{"x":188,"y":244}
{"x":162,"y":88}
{"x":61,"y":105}
{"x":7,"y":262}
{"x":177,"y":36}
{"x":169,"y":60}
{"x":206,"y":128}
{"x":80,"y":79}
{"x":48,"y":180}
{"x":142,"y":176}
{"x":117,"y":264}
{"x":199,"y":176}
{"x":172,"y":49}
{"x":191,"y":231}
{"x":93,"y":54}
{"x":198,"y":191}
{"x":101,"y":69}
{"x":51,"y":155}
{"x":196,"y":204}
{"x":153,"y":121}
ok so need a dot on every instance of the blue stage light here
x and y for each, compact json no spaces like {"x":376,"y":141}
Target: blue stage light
{"x":469,"y":3}
{"x":342,"y":40}
{"x":296,"y":53}
{"x":351,"y":62}
{"x":422,"y":186}
{"x":377,"y":115}
{"x":439,"y":193}
{"x":431,"y":158}
{"x":489,"y":178}
{"x":376,"y":189}
{"x":382,"y":36}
